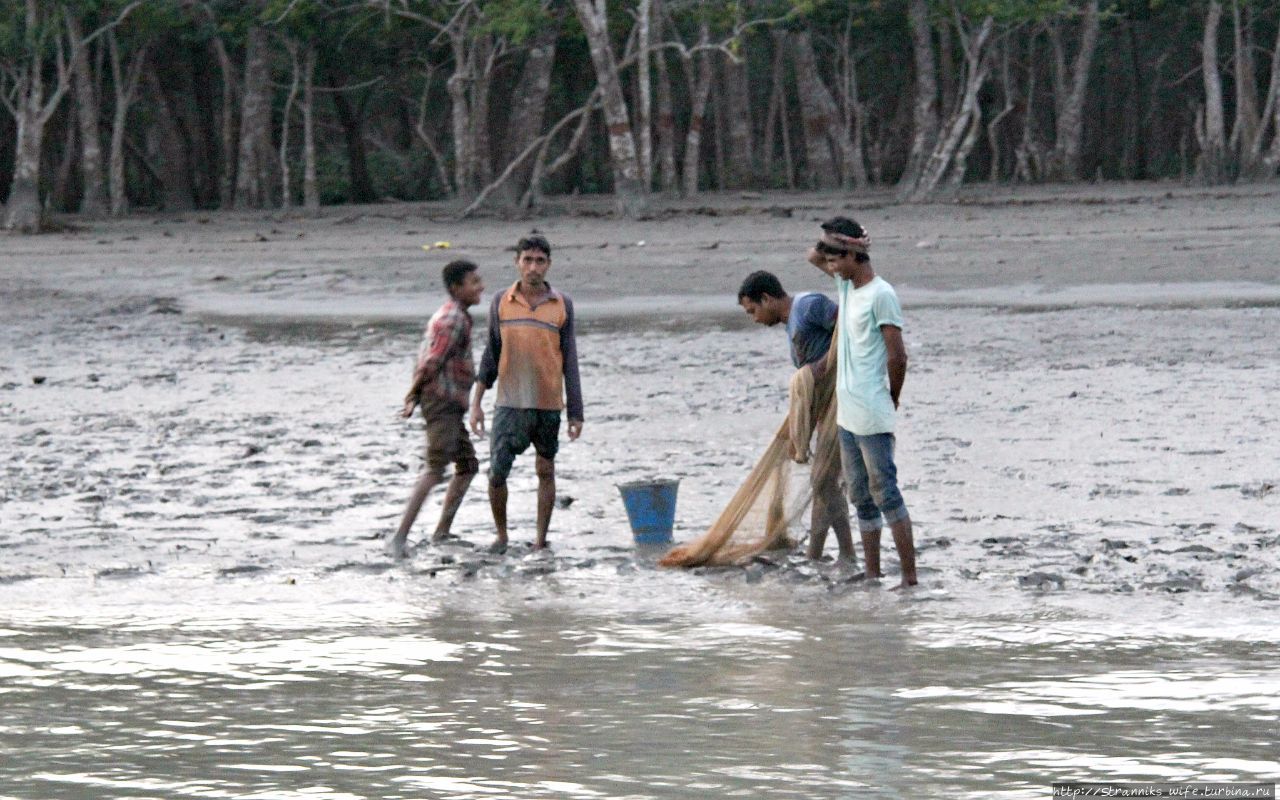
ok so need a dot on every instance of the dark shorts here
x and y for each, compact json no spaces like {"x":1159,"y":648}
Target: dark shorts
{"x":514,"y":429}
{"x":447,"y":438}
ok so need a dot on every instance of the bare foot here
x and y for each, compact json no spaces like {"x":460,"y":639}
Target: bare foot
{"x":906,"y":584}
{"x":848,"y":560}
{"x":395,"y":547}
{"x":499,"y":545}
{"x":442,"y":536}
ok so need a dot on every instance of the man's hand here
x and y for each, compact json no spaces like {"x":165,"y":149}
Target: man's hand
{"x":815,"y":258}
{"x":575,"y":429}
{"x":410,"y":404}
{"x":477,"y":420}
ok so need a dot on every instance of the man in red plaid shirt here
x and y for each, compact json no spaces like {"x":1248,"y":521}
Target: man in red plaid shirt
{"x":442,"y":385}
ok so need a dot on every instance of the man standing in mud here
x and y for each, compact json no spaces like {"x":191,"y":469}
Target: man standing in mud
{"x":871,"y":363}
{"x":532,"y":356}
{"x":441,"y":384}
{"x":810,"y":320}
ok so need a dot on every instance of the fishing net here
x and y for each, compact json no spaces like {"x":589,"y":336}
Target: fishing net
{"x":761,"y":513}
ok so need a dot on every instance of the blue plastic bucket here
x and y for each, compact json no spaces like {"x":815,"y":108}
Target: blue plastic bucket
{"x":651,"y":509}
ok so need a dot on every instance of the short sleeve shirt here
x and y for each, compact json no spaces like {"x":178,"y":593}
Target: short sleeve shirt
{"x":809,"y":327}
{"x":864,"y":404}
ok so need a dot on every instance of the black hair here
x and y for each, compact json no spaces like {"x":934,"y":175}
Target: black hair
{"x":534,"y":242}
{"x":848,"y":227}
{"x":845,"y":227}
{"x":760,"y":283}
{"x":455,"y":272}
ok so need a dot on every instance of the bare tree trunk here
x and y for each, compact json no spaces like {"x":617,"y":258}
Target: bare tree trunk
{"x":1271,"y":161}
{"x":1070,"y":92}
{"x":778,"y":110}
{"x":958,"y":130}
{"x":352,"y":121}
{"x":253,"y":170}
{"x":227,"y":185}
{"x":93,"y":200}
{"x":22,"y":212}
{"x":529,"y":106}
{"x":464,"y":178}
{"x":1246,"y":131}
{"x":1007,"y":89}
{"x":31,"y":113}
{"x":960,"y":163}
{"x":286,"y":189}
{"x":1211,"y":127}
{"x":925,"y":117}
{"x":167,"y":147}
{"x":1029,"y":156}
{"x":668,"y":178}
{"x":425,"y":136}
{"x":718,"y":126}
{"x":644,"y":93}
{"x":629,"y":191}
{"x":852,"y":118}
{"x":58,"y":198}
{"x":816,"y":107}
{"x":227,"y":124}
{"x":482,"y":80}
{"x":125,"y":79}
{"x":699,"y":91}
{"x":947,"y":81}
{"x":540,"y":167}
{"x":742,"y":165}
{"x":310,"y":189}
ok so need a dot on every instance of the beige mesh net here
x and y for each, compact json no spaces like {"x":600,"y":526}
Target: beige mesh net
{"x":763,"y":509}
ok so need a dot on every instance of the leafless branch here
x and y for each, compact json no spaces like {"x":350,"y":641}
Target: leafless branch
{"x":528,"y":151}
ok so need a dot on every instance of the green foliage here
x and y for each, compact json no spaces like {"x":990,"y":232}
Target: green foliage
{"x":516,"y":20}
{"x":22,"y":38}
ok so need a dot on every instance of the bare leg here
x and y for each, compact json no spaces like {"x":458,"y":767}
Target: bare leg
{"x":546,"y":498}
{"x":817,"y":531}
{"x":452,"y":500}
{"x":498,"y":504}
{"x":844,"y":535}
{"x":871,"y":552}
{"x":903,"y":541}
{"x":426,"y":481}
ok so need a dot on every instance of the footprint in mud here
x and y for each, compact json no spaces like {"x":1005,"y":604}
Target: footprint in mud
{"x":113,"y":573}
{"x":1042,"y":581}
{"x":242,"y":569}
{"x":362,"y":567}
{"x":1177,"y":584}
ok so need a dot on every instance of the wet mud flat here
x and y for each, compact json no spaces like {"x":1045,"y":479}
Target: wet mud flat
{"x":194,"y":601}
{"x":1103,"y":450}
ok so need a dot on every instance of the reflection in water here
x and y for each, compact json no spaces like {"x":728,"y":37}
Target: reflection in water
{"x":764,"y":703}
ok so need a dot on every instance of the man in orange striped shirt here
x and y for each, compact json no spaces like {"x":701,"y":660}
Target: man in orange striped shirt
{"x":532,"y":356}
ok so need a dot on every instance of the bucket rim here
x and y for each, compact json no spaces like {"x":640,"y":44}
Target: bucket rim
{"x":650,"y":482}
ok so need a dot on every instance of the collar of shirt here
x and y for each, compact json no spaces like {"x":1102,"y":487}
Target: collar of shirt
{"x":514,"y":295}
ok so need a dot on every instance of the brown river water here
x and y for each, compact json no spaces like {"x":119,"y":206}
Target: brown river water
{"x":194,"y":601}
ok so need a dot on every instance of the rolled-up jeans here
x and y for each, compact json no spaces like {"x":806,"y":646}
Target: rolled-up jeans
{"x":872,"y":479}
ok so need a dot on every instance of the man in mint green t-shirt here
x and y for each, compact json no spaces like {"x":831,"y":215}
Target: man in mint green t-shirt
{"x":871,"y":366}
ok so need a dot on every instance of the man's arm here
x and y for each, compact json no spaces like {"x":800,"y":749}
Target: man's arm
{"x":477,"y":413}
{"x":818,"y":260}
{"x":572,"y":383}
{"x":897,"y":357}
{"x":441,"y":339}
{"x":488,"y":374}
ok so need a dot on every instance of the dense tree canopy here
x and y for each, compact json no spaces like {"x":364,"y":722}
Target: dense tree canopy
{"x":113,"y":104}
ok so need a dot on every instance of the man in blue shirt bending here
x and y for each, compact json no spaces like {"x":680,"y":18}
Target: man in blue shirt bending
{"x":810,"y":319}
